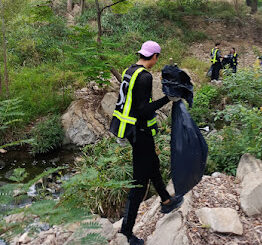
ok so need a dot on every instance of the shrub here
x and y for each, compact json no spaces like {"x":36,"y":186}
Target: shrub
{"x":204,"y":104}
{"x":48,"y":134}
{"x":244,"y":87}
{"x":243,"y":134}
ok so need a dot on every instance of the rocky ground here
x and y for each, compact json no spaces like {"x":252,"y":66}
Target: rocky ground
{"x":221,"y":192}
{"x":221,"y":209}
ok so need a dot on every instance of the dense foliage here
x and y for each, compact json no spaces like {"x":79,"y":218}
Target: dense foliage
{"x":205,"y":103}
{"x":241,"y":134}
{"x":244,"y":87}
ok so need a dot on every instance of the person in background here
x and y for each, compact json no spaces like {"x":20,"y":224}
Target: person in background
{"x":216,"y":62}
{"x":233,"y":59}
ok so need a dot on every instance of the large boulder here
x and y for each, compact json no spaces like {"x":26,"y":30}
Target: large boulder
{"x":168,"y":230}
{"x":249,"y":171}
{"x":251,"y":194}
{"x":223,"y":220}
{"x":108,"y":103}
{"x":106,"y":230}
{"x":83,"y":124}
{"x":120,"y":239}
{"x":248,"y":164}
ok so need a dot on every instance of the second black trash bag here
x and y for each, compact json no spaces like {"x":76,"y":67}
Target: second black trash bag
{"x":188,"y":146}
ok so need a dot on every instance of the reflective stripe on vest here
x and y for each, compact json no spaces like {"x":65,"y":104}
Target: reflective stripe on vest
{"x":121,"y":117}
{"x":151,"y":122}
{"x":124,"y":117}
{"x":234,"y":59}
{"x":214,"y":55}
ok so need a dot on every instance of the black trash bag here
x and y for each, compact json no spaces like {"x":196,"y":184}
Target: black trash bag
{"x":227,"y":60}
{"x":188,"y":150}
{"x":176,"y":83}
{"x":188,"y":146}
{"x":209,"y":72}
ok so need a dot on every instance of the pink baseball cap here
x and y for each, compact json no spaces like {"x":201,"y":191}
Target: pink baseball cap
{"x":149,"y":48}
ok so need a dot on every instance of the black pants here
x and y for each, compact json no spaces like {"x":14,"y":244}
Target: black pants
{"x":215,"y":71}
{"x":145,"y":167}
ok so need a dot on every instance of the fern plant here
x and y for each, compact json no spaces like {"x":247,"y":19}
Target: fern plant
{"x":10,"y":115}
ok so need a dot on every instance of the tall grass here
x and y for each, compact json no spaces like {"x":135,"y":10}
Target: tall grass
{"x":43,"y":90}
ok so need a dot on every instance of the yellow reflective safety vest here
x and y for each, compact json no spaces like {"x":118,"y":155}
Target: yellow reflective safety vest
{"x":124,"y":120}
{"x":235,"y":59}
{"x":214,"y":55}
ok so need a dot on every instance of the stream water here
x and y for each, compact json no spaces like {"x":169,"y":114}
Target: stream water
{"x":34,"y":165}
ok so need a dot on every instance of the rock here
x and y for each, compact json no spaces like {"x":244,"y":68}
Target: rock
{"x":108,"y":103}
{"x":217,"y":175}
{"x":32,"y":191}
{"x":251,"y":193}
{"x":167,"y":230}
{"x":117,"y":225}
{"x":223,"y":220}
{"x":2,"y":164}
{"x":2,"y":242}
{"x":84,"y":90}
{"x":13,"y":218}
{"x":24,"y":239}
{"x":3,"y":151}
{"x":72,"y":226}
{"x":170,"y":228}
{"x":107,"y":229}
{"x":149,"y":214}
{"x":119,"y":240}
{"x":170,"y":188}
{"x":82,"y":124}
{"x":50,"y":240}
{"x":248,"y":164}
{"x":39,"y":226}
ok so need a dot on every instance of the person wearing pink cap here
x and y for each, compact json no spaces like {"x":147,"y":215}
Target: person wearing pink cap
{"x":134,"y":118}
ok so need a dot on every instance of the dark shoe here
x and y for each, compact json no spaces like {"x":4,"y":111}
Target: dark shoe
{"x":175,"y":203}
{"x":133,"y":240}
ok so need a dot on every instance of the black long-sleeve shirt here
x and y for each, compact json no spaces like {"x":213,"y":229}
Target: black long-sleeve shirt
{"x":142,"y":91}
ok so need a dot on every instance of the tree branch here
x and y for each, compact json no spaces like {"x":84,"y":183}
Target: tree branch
{"x":108,"y":6}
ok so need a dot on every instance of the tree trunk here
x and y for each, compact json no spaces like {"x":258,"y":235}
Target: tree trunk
{"x":99,"y":35}
{"x":116,"y":74}
{"x":82,"y":6}
{"x":69,"y":5}
{"x":248,"y":2}
{"x":4,"y":50}
{"x":254,"y":6}
{"x":99,"y":24}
